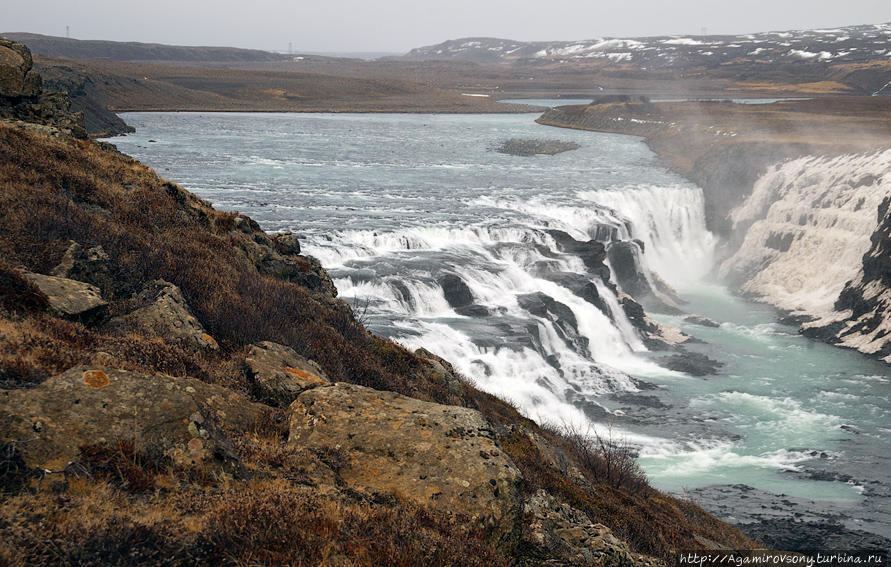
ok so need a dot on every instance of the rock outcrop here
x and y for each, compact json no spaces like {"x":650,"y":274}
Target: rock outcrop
{"x":437,"y":455}
{"x":558,"y":534}
{"x":280,"y":373}
{"x":90,"y":266}
{"x":863,"y":311}
{"x":22,"y":96}
{"x":179,"y":418}
{"x":163,"y":313}
{"x":625,"y":258}
{"x":71,"y":299}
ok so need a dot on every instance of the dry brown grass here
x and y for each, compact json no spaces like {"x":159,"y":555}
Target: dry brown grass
{"x":651,"y":522}
{"x":259,"y":523}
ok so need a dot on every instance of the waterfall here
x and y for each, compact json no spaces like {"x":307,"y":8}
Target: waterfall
{"x":541,"y":329}
{"x":806,"y":226}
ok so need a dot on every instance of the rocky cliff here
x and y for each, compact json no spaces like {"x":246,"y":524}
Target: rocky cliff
{"x":22,"y":96}
{"x":798,"y":191}
{"x":862,"y":318}
{"x":178,"y":387}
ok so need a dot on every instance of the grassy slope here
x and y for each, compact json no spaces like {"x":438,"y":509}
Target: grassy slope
{"x":54,"y":189}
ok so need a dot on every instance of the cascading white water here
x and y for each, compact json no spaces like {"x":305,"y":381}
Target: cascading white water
{"x":807,"y":225}
{"x":525,"y":356}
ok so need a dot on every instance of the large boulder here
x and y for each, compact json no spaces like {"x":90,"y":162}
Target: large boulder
{"x":70,"y":299}
{"x":15,"y":63}
{"x":456,"y":292}
{"x":437,"y":455}
{"x":280,"y":373}
{"x":163,"y":313}
{"x":181,"y":418}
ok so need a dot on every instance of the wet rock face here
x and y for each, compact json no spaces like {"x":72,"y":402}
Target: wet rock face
{"x":692,"y":363}
{"x":280,"y":373}
{"x":22,"y":96}
{"x":71,"y":299}
{"x":561,"y":315}
{"x":437,"y":455}
{"x":165,"y":314}
{"x":456,"y":291}
{"x":592,"y":253}
{"x":181,"y":418}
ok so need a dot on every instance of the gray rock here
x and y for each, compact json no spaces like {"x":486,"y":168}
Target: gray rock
{"x":700,"y":320}
{"x":90,"y":266}
{"x":286,"y":243}
{"x":437,"y":455}
{"x":182,"y":418}
{"x":165,"y":314}
{"x":281,"y":373}
{"x":557,"y":531}
{"x":70,"y":299}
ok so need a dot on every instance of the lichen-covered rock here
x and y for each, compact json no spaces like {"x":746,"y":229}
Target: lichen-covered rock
{"x":90,"y":266}
{"x":443,"y":456}
{"x":182,"y":418}
{"x":70,"y":299}
{"x":555,"y":533}
{"x":279,"y":256}
{"x":281,"y":373}
{"x":164,"y":313}
{"x":444,"y":371}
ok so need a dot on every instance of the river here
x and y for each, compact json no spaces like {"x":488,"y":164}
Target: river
{"x":391,"y":204}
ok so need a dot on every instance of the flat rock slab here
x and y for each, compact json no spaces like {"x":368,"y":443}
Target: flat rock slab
{"x":179,"y":417}
{"x":438,"y":455}
{"x":70,"y":299}
{"x":281,"y":373}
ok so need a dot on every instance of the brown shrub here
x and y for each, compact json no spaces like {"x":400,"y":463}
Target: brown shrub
{"x":122,"y":465}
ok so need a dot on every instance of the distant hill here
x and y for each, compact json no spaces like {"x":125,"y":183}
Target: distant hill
{"x":837,"y":45}
{"x":93,"y":50}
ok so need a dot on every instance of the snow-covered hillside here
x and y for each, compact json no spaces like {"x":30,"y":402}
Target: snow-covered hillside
{"x":847,"y":44}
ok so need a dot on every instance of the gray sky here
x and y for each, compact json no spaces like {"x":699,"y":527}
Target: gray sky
{"x":399,"y":25}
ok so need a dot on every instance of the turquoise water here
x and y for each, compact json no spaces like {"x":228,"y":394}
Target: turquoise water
{"x":390,"y":203}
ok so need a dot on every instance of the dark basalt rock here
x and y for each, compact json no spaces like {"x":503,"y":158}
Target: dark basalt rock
{"x":700,"y":320}
{"x":692,"y":363}
{"x":580,"y":285}
{"x":592,"y":253}
{"x":628,"y":269}
{"x":456,"y":291}
{"x":564,"y":320}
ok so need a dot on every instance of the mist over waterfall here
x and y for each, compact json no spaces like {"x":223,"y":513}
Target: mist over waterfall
{"x":806,"y":226}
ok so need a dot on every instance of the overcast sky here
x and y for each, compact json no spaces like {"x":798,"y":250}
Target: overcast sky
{"x":399,"y":25}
